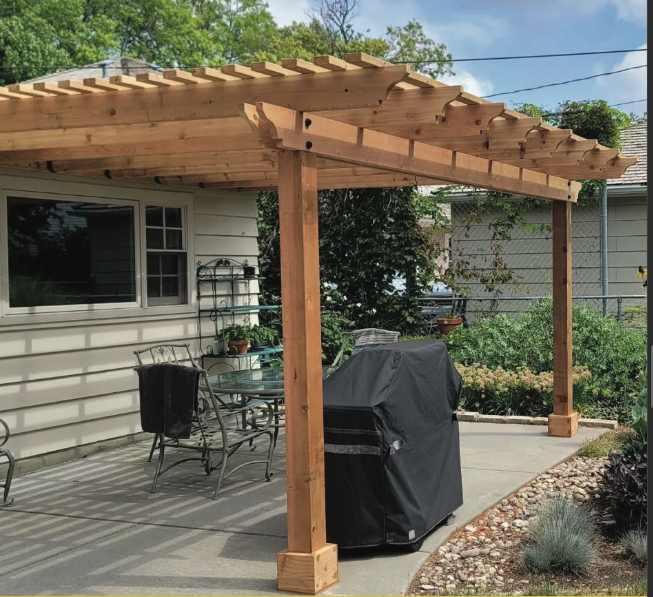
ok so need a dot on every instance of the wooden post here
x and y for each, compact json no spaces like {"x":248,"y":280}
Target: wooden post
{"x":309,"y":565}
{"x":563,"y":422}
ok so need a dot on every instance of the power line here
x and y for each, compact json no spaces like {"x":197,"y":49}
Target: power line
{"x":521,"y":57}
{"x":479,"y":59}
{"x":614,"y":72}
{"x":626,"y":103}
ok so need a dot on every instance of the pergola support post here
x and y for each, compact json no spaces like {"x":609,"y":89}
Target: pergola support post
{"x":309,"y":565}
{"x":564,"y":421}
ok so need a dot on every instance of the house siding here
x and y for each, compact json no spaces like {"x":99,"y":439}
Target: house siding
{"x":529,"y":253}
{"x":67,"y":379}
{"x":627,"y":243}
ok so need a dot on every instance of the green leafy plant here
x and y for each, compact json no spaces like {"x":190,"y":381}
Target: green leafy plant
{"x":635,"y":544}
{"x":263,"y":335}
{"x":615,"y":355}
{"x":562,"y":538}
{"x":368,"y":237}
{"x":635,"y":445}
{"x":334,"y":329}
{"x":606,"y":443}
{"x":501,"y":392}
{"x":624,"y":486}
{"x":239,"y":332}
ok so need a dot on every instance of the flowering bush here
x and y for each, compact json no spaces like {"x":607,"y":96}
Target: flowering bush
{"x":501,"y":392}
{"x":614,"y":354}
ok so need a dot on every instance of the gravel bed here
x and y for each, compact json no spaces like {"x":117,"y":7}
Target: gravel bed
{"x":482,"y":555}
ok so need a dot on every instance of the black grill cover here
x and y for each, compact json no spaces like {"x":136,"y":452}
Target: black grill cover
{"x":392,"y":447}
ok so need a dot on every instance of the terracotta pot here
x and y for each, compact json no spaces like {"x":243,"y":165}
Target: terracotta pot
{"x":238,"y":346}
{"x":446,"y":325}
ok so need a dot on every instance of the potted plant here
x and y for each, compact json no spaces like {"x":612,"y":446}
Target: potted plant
{"x":448,"y":324}
{"x":238,"y":338}
{"x":262,"y":337}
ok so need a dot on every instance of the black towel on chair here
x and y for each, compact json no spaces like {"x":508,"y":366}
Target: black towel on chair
{"x":168,"y":395}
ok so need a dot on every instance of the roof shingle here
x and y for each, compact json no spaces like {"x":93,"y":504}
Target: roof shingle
{"x":634,"y":145}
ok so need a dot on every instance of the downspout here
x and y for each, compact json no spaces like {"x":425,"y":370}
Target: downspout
{"x":603,"y":234}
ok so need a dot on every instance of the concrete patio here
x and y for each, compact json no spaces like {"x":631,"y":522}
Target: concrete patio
{"x":91,"y":527}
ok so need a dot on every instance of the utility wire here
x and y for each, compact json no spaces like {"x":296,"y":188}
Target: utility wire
{"x":521,"y":57}
{"x":626,"y":103}
{"x":614,"y":72}
{"x":481,"y":59}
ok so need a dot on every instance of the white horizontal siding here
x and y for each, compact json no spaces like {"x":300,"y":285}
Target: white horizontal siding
{"x":67,"y":380}
{"x":627,"y":244}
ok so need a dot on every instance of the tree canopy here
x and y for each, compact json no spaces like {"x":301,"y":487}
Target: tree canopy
{"x":38,"y":37}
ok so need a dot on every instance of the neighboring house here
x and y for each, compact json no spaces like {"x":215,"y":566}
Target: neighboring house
{"x":124,"y":258}
{"x":627,"y":216}
{"x":528,"y":252}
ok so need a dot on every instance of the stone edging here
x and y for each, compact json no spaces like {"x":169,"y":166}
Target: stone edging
{"x":472,"y":417}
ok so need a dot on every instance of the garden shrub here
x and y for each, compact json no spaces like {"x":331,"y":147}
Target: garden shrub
{"x":334,"y":327}
{"x":501,"y":392}
{"x":624,"y":486}
{"x":606,"y":443}
{"x":562,"y":538}
{"x":635,"y":545}
{"x":614,"y":354}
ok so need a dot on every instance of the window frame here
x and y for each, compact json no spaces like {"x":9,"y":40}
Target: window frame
{"x":180,"y":299}
{"x":92,"y":192}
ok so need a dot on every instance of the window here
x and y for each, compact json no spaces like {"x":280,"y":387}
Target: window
{"x":166,"y":255}
{"x":70,"y":252}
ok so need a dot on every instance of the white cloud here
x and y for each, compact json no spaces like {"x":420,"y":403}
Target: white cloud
{"x":631,"y":10}
{"x":628,"y":86}
{"x":287,"y":11}
{"x":470,"y":83}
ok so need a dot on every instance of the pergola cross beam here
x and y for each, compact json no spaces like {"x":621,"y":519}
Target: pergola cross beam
{"x":286,"y":129}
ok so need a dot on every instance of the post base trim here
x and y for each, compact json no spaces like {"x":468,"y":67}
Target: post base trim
{"x":563,"y":425}
{"x":307,"y":573}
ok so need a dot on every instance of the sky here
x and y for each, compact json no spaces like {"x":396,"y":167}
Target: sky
{"x":487,"y":28}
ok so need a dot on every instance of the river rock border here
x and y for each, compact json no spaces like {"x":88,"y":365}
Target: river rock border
{"x":473,"y":417}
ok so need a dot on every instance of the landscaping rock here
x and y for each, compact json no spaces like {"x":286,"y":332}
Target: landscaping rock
{"x":470,"y":553}
{"x":599,"y":423}
{"x":476,"y":555}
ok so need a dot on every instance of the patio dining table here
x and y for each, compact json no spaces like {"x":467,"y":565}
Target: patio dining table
{"x":258,"y":384}
{"x":255,"y":382}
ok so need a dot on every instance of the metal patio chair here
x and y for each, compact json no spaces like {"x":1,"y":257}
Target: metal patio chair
{"x":219,"y":427}
{"x":364,"y":338}
{"x":10,"y":471}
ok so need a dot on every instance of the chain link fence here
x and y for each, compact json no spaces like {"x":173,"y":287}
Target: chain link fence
{"x":502,"y":265}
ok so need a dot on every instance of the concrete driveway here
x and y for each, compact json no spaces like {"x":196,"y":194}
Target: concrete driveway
{"x":91,"y":527}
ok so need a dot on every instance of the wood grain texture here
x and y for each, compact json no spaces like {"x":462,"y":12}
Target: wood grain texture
{"x":562,"y":294}
{"x":300,"y":291}
{"x":308,"y":573}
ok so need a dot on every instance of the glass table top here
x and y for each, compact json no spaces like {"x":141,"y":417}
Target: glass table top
{"x":256,"y":381}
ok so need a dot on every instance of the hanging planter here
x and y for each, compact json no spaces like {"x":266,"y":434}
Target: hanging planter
{"x":446,"y":325}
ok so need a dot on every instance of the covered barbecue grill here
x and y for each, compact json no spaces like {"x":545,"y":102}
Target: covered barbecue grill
{"x":392,"y":448}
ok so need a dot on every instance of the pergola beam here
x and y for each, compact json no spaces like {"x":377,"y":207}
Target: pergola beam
{"x":287,"y":129}
{"x":322,"y":91}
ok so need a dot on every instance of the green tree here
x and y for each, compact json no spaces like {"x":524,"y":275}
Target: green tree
{"x":591,"y":119}
{"x":367,"y":238}
{"x":410,"y":44}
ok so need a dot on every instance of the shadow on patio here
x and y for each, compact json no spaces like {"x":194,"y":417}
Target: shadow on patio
{"x":91,"y":526}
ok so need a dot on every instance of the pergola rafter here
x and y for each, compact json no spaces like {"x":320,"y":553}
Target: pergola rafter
{"x":299,"y":127}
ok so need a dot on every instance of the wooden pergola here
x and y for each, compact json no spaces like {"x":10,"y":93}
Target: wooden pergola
{"x":299,"y":127}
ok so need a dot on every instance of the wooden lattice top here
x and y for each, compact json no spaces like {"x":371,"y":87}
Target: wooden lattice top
{"x":370,"y":122}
